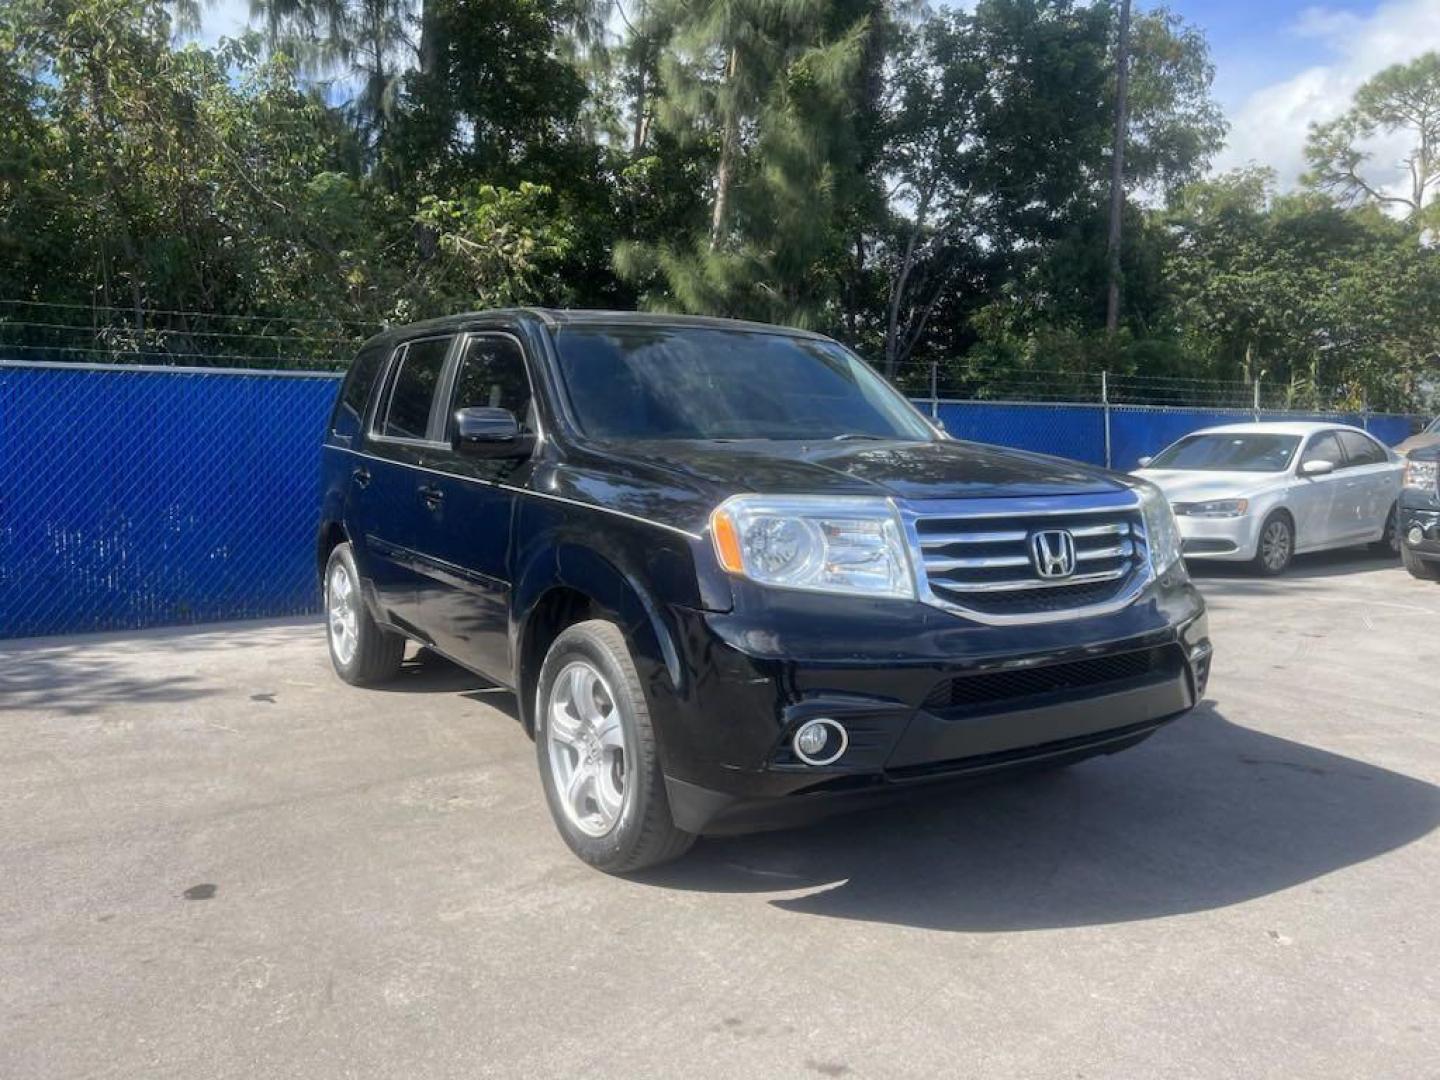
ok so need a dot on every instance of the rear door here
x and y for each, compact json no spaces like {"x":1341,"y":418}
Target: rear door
{"x":1318,"y":502}
{"x":1372,"y":484}
{"x":390,"y":501}
{"x":466,"y":534}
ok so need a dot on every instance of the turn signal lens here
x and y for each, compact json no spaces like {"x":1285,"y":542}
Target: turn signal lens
{"x":727,"y":541}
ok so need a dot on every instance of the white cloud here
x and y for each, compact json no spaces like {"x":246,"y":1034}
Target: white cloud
{"x":1270,"y":126}
{"x":222,"y":18}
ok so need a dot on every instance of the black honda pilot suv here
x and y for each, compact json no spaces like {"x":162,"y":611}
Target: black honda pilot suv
{"x":734,"y":578}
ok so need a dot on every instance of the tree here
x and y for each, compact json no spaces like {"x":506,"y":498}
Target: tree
{"x":767,"y":86}
{"x":1401,"y":101}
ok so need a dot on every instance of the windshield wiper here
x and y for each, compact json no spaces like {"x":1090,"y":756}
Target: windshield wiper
{"x":857,"y":435}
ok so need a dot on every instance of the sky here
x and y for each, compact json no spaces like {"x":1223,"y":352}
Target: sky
{"x":1279,"y":64}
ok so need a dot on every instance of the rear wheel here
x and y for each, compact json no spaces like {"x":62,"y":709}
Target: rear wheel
{"x":1389,"y":542}
{"x":596,"y":750}
{"x":363,"y":652}
{"x":1424,"y":569}
{"x":1276,"y":547}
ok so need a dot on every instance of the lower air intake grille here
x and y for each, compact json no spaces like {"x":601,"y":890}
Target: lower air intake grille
{"x":1014,"y":687}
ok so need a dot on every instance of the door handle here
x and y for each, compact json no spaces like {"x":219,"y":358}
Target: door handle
{"x":432,"y":495}
{"x":360,"y":475}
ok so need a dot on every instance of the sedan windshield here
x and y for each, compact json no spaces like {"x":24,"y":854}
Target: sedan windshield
{"x":1229,"y":453}
{"x":667,"y":382}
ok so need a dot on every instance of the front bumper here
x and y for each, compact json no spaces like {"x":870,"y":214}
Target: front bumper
{"x":1425,"y":522}
{"x":1229,"y":539}
{"x":925,"y":697}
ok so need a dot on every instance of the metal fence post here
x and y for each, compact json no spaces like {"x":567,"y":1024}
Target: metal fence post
{"x":1257,"y":399}
{"x":1105,"y":404}
{"x":934,"y":390}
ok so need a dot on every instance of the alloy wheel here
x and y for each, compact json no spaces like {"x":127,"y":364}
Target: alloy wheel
{"x":1275,"y":545}
{"x":343,"y":617}
{"x":586,"y":743}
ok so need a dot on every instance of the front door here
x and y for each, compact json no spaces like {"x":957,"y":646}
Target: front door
{"x":467,"y":533}
{"x":1319,"y":501}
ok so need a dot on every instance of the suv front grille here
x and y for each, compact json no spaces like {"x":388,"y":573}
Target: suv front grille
{"x":981,"y":563}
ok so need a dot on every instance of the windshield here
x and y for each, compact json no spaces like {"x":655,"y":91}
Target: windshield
{"x":667,"y":382}
{"x":1229,"y":453}
{"x":1434,"y":428}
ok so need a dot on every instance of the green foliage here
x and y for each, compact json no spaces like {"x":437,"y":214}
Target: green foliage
{"x":928,"y":184}
{"x":1402,"y":99}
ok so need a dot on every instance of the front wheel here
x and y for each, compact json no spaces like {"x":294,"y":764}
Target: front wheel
{"x":1276,"y":547}
{"x":596,"y":750}
{"x":1424,"y":569}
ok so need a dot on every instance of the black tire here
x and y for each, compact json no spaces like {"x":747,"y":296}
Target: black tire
{"x":1424,"y":569}
{"x":1270,"y":562}
{"x":377,"y":652}
{"x":644,"y":833}
{"x":1389,"y":542}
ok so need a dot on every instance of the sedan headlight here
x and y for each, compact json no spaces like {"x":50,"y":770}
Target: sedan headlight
{"x":1215,"y":508}
{"x":1162,"y":535}
{"x":838,"y":545}
{"x":1423,"y":475}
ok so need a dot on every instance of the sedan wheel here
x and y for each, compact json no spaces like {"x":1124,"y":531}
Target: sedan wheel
{"x":1277,"y":546}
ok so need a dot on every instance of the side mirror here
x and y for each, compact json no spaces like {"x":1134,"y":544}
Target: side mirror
{"x":1316,"y":468}
{"x":1144,"y":462}
{"x":482,"y":431}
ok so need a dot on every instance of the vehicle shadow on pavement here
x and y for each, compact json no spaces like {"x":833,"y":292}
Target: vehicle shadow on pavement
{"x":1204,"y":815}
{"x":1319,"y":564}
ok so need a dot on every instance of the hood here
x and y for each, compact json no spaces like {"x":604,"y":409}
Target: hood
{"x":1418,"y":442}
{"x":905,"y":470}
{"x":679,"y":482}
{"x":1193,"y":485}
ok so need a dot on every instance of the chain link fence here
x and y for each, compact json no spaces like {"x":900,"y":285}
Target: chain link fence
{"x":135,"y":496}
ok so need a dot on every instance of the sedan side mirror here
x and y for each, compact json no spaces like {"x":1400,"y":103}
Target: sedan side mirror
{"x":1316,"y":468}
{"x":1144,"y":462}
{"x":483,"y":431}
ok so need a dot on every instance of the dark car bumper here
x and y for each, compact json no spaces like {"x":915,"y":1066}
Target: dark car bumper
{"x":1420,"y":530}
{"x":925,"y":697}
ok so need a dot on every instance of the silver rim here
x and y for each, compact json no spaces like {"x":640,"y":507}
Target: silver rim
{"x":344,"y":623}
{"x":586,"y":743}
{"x":1275,"y":545}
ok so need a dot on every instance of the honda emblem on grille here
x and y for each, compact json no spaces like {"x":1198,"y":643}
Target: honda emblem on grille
{"x":1053,"y":553}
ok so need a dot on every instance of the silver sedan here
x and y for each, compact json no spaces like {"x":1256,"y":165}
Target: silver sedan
{"x":1262,"y":493}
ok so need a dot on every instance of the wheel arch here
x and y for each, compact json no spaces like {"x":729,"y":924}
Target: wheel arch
{"x":569,"y":584}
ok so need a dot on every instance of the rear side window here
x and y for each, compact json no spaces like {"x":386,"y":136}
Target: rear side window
{"x":355,"y":393}
{"x":1361,"y":449}
{"x":1324,"y":447}
{"x":493,"y":374}
{"x":412,"y":390}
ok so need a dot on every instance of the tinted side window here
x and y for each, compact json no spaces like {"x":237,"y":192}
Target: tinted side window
{"x":412,"y":390}
{"x":355,"y":392}
{"x":1361,"y":449}
{"x":492,"y":374}
{"x":1324,"y":447}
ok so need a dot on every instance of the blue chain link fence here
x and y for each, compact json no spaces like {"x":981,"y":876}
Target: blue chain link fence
{"x":134,"y":497}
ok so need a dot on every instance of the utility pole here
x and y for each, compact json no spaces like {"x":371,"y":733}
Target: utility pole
{"x":1117,"y":166}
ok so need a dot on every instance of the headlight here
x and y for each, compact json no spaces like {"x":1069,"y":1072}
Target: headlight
{"x":1162,"y":535}
{"x":1424,"y":475}
{"x":839,"y":545}
{"x":1216,"y":508}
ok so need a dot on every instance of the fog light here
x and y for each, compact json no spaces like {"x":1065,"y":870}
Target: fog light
{"x":820,"y":742}
{"x":1415,"y":535}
